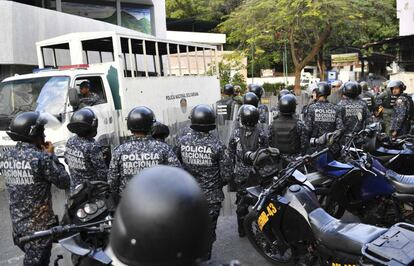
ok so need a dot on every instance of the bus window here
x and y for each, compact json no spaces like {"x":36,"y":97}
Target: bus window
{"x":98,"y":51}
{"x":56,"y":55}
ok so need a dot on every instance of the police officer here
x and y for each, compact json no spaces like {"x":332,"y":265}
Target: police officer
{"x":367,"y":96}
{"x":237,"y":95}
{"x":275,"y":109}
{"x":87,"y":98}
{"x":248,"y":137}
{"x":402,"y":113}
{"x":29,"y":170}
{"x":174,"y":229}
{"x":384,"y":106}
{"x":323,"y":117}
{"x":336,"y":95}
{"x":83,"y":155}
{"x":251,"y":98}
{"x":205,"y":157}
{"x":263,"y":110}
{"x":353,"y":110}
{"x":162,"y":218}
{"x":140,"y":152}
{"x":313,"y":88}
{"x":160,"y":131}
{"x":225,"y":106}
{"x":287,"y":133}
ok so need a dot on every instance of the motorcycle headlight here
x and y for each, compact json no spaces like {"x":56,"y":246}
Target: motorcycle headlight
{"x":81,"y":214}
{"x":90,"y":208}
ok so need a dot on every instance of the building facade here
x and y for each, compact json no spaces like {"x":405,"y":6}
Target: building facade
{"x":405,"y":13}
{"x":48,"y":19}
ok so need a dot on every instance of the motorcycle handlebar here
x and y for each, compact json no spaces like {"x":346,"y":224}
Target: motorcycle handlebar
{"x":60,"y":229}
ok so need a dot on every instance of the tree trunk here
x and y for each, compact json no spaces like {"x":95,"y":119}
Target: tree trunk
{"x":298,"y":71}
{"x":321,"y":65}
{"x":300,"y":64}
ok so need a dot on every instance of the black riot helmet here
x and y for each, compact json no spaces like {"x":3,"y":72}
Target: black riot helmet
{"x":140,"y":119}
{"x":27,"y":127}
{"x":203,"y":118}
{"x":257,"y":89}
{"x":351,"y":89}
{"x":364,"y":85}
{"x":396,"y":84}
{"x":160,"y":131}
{"x":249,"y":115}
{"x":228,"y":90}
{"x":251,"y":98}
{"x":323,"y":89}
{"x":162,"y":219}
{"x":287,"y":104}
{"x":283,"y":93}
{"x":83,"y":123}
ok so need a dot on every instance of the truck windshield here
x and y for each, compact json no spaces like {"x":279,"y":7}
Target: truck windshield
{"x":45,"y":94}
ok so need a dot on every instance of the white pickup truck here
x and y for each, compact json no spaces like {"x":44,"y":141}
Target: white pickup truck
{"x":125,"y":71}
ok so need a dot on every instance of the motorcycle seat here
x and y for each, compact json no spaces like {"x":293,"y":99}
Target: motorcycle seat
{"x":402,"y":183}
{"x":340,"y":236}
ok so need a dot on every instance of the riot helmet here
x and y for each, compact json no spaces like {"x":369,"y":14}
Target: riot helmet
{"x":27,"y":127}
{"x":282,"y":93}
{"x":257,"y":89}
{"x":228,"y":90}
{"x":287,"y":104}
{"x":364,"y":85}
{"x":160,"y":131}
{"x":351,"y":89}
{"x":249,"y":115}
{"x":323,"y":89}
{"x":396,"y":84}
{"x":140,"y":119}
{"x":251,"y":98}
{"x":203,"y":118}
{"x":83,"y":123}
{"x":162,"y":219}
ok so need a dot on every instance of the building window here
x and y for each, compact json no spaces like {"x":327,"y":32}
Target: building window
{"x":136,"y":17}
{"x":100,"y":10}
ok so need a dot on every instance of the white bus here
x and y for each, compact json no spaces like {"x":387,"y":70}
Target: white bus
{"x":124,"y":70}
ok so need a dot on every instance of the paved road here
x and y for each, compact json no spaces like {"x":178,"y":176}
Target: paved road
{"x":227,"y":247}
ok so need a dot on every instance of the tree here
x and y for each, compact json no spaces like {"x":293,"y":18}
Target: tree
{"x":305,"y":25}
{"x":200,"y":9}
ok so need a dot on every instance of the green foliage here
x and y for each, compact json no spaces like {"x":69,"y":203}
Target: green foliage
{"x":307,"y":26}
{"x":200,"y":9}
{"x":273,"y":87}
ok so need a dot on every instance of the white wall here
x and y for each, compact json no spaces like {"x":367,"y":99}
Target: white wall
{"x":405,"y":13}
{"x":23,"y":25}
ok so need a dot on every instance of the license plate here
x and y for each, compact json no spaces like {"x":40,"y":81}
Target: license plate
{"x":264,"y":215}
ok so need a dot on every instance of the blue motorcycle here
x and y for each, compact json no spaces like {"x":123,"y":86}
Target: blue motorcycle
{"x":354,"y":181}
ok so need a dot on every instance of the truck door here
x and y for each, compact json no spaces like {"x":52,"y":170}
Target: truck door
{"x":103,"y":107}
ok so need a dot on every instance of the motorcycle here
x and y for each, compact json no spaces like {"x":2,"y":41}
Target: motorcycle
{"x":85,"y":226}
{"x":395,"y":154}
{"x":288,"y":226}
{"x":360,"y":184}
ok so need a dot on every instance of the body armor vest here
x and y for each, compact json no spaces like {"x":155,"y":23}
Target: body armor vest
{"x":285,"y":136}
{"x":224,"y":108}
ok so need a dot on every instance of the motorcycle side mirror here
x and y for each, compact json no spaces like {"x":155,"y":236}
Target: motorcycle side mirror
{"x":73,"y":98}
{"x":301,"y":178}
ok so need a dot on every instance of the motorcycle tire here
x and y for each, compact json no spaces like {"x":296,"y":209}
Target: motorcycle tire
{"x":262,"y":245}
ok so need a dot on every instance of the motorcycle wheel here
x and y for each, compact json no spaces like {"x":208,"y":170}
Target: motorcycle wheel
{"x":331,"y":206}
{"x":266,"y":248}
